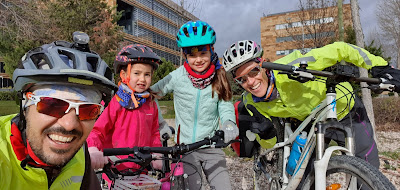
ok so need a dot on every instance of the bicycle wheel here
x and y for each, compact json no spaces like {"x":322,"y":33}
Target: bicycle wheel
{"x":268,"y":168}
{"x":342,"y":167}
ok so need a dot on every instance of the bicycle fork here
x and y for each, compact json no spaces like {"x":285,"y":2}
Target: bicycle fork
{"x":323,"y":156}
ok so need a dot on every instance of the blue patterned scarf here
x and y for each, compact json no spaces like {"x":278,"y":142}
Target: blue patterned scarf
{"x":124,"y":97}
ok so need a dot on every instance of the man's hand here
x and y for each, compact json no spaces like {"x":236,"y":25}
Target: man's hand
{"x":390,"y":74}
{"x":231,"y":131}
{"x":98,"y":160}
{"x":261,"y":125}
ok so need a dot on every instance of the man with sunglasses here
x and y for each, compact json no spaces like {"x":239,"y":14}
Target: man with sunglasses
{"x":271,"y":95}
{"x":60,"y":88}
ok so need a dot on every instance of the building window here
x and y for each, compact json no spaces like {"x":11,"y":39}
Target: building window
{"x":307,"y":23}
{"x":289,"y":51}
{"x":306,"y":36}
{"x":2,"y":70}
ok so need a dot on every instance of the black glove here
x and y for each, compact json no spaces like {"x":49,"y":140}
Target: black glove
{"x":389,"y":73}
{"x":261,"y":125}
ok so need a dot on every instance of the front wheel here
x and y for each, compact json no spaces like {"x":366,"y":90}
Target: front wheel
{"x":268,"y":167}
{"x":343,"y":168}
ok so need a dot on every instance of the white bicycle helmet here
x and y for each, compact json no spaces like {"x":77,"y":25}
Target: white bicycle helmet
{"x":240,"y":53}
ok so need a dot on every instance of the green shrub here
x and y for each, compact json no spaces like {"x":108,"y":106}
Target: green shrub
{"x":8,"y":95}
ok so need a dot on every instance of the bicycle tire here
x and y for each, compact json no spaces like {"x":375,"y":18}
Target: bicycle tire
{"x":368,"y":176}
{"x":272,"y":163}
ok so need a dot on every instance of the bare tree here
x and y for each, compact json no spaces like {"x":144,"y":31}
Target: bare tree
{"x":20,"y":17}
{"x":313,"y":27}
{"x":366,"y":93}
{"x":189,"y":6}
{"x":388,"y":14}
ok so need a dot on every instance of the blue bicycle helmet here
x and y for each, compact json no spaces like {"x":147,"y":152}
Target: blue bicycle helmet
{"x":195,"y":34}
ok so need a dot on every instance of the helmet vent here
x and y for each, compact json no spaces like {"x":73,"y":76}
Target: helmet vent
{"x":68,"y":58}
{"x":92,"y":63}
{"x":213,"y":33}
{"x":108,"y":74}
{"x":241,"y":44}
{"x":186,"y":32}
{"x":125,"y":53}
{"x":234,"y":53}
{"x":229,"y":59}
{"x":233,"y":45}
{"x":241,"y":51}
{"x":41,"y":61}
{"x":203,"y":32}
{"x":195,"y":30}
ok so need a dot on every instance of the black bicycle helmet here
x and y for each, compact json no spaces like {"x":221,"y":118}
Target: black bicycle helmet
{"x":61,"y":62}
{"x":136,"y":53}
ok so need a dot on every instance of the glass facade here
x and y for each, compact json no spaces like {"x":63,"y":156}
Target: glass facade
{"x":132,"y":16}
{"x":5,"y":82}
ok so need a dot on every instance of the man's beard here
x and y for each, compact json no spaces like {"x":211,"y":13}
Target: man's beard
{"x":55,"y":157}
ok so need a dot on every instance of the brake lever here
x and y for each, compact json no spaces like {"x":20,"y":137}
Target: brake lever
{"x":223,"y":145}
{"x":299,"y":76}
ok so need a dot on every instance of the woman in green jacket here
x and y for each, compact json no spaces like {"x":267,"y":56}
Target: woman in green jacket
{"x":275,"y":95}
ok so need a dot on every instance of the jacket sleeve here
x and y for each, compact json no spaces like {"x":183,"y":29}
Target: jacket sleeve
{"x":226,"y":111}
{"x":103,"y":125}
{"x":331,"y":54}
{"x":164,"y":86}
{"x":155,"y":128}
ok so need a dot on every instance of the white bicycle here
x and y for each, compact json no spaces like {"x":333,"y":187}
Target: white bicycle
{"x":331,"y":171}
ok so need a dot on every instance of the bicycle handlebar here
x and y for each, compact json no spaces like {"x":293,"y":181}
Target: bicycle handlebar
{"x":294,"y":69}
{"x":177,"y":149}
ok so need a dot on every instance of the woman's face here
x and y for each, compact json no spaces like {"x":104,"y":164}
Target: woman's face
{"x":253,"y":79}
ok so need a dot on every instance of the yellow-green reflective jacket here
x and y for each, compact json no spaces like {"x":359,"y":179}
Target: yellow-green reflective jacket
{"x":12,"y":176}
{"x":297,"y":100}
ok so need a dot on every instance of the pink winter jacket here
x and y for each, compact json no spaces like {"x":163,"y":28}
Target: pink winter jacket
{"x":118,"y":127}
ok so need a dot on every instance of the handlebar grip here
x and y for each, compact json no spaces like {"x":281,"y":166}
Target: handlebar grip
{"x":369,"y":80}
{"x":276,"y":66}
{"x":117,"y":151}
{"x":172,"y":130}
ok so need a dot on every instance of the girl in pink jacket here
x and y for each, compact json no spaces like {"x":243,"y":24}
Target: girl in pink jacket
{"x":131,"y":118}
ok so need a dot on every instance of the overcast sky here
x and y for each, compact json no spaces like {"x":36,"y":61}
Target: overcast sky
{"x":235,"y":20}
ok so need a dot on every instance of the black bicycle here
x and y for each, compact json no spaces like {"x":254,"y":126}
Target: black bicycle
{"x":171,"y":176}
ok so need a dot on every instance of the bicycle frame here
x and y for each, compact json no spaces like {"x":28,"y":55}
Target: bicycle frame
{"x":322,"y":117}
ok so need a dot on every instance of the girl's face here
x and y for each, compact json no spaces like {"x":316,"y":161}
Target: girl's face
{"x":256,"y":84}
{"x":140,"y":77}
{"x":199,"y":60}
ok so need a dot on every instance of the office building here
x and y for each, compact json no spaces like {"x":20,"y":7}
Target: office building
{"x":282,"y":33}
{"x":153,"y":23}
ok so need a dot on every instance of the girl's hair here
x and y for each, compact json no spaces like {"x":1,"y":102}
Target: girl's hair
{"x":221,"y":86}
{"x":153,"y":95}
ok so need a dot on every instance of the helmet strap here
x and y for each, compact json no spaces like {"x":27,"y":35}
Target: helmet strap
{"x":126,"y":80}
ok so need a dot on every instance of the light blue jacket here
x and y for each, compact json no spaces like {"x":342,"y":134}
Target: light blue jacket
{"x":196,"y":113}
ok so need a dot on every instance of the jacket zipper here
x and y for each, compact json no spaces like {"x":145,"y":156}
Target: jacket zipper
{"x":195,"y":115}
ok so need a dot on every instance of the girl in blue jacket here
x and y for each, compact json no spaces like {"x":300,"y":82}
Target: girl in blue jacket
{"x":202,"y":97}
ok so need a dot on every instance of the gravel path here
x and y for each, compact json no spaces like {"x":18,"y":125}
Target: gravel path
{"x":241,"y":171}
